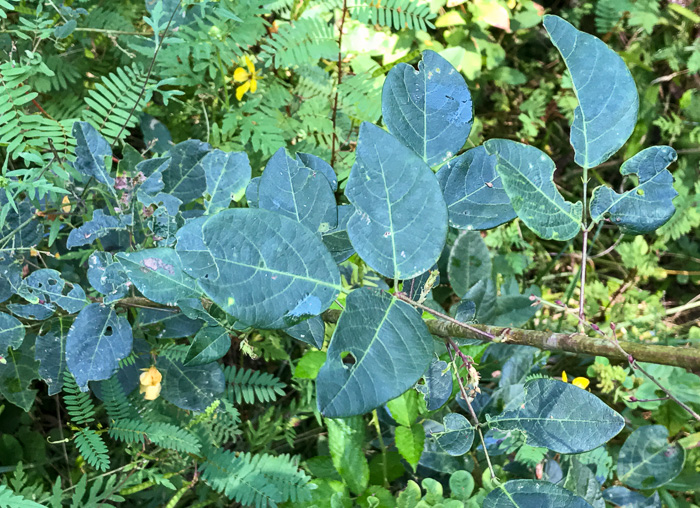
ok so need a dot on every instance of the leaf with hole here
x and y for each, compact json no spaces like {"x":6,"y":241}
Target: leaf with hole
{"x":47,"y":285}
{"x":400,"y":221}
{"x":527,"y":174}
{"x":649,"y":205}
{"x":96,"y":342}
{"x":647,"y":460}
{"x":474,"y":192}
{"x":430,"y":109}
{"x":391,"y":348}
{"x":607,"y":95}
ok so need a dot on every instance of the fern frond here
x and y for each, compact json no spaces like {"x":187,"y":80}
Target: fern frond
{"x":249,"y":386}
{"x":313,"y":81}
{"x":78,"y":404}
{"x":129,"y":431}
{"x":396,"y":14}
{"x":93,"y":449}
{"x":65,"y":73}
{"x":112,"y":99}
{"x":9,"y":499}
{"x":360,"y":97}
{"x":115,"y":401}
{"x":225,"y":423}
{"x":307,"y":39}
{"x":165,"y":435}
{"x":256,"y":480}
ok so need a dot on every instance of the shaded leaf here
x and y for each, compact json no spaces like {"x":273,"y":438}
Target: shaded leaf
{"x":457,"y":435}
{"x":647,"y":460}
{"x":512,"y":308}
{"x":100,"y":226}
{"x":437,"y":387}
{"x":430,"y":109}
{"x":50,"y":351}
{"x":346,"y":437}
{"x":150,"y":191}
{"x":96,"y":342}
{"x":35,"y":311}
{"x":10,"y":278}
{"x":527,"y":174}
{"x":47,"y":285}
{"x":210,"y":344}
{"x":90,"y":152}
{"x":625,"y":498}
{"x":337,"y":240}
{"x":648,"y":206}
{"x":107,"y":276}
{"x":192,"y":387}
{"x":581,"y":481}
{"x":158,"y":275}
{"x":391,"y":347}
{"x":11,"y":332}
{"x":184,"y":177}
{"x":269,"y":271}
{"x":607,"y":111}
{"x":227,"y":175}
{"x":297,"y":192}
{"x":311,"y":331}
{"x":474,"y":192}
{"x":17,"y":374}
{"x":469,"y":262}
{"x":20,"y":226}
{"x":252,"y":192}
{"x":532,"y":494}
{"x":550,"y":417}
{"x":400,"y":222}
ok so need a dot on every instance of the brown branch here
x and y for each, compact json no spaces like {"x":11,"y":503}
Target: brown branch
{"x":578,"y":343}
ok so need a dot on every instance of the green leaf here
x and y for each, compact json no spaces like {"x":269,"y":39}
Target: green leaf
{"x":297,"y":192}
{"x":437,"y":387}
{"x":9,"y":499}
{"x":90,"y":152}
{"x":107,"y":276}
{"x":50,"y":351}
{"x":310,"y":364}
{"x":469,"y":262}
{"x":512,"y":308}
{"x":581,"y":481}
{"x":346,"y":438}
{"x":227,"y":175}
{"x":184,"y":178}
{"x":400,"y":222}
{"x":47,"y":285}
{"x":150,"y":191}
{"x":265,"y":269}
{"x":461,"y":485}
{"x":647,"y":460}
{"x":100,"y":226}
{"x":391,"y":347}
{"x":430,"y":109}
{"x":409,"y":443}
{"x":11,"y":332}
{"x":607,"y":111}
{"x":337,"y":240}
{"x":17,"y":374}
{"x":10,"y":278}
{"x":648,"y":206}
{"x":527,"y":178}
{"x":192,"y":387}
{"x":532,"y":494}
{"x":96,"y":342}
{"x":158,"y":275}
{"x":457,"y":435}
{"x":311,"y":331}
{"x":320,"y":166}
{"x":210,"y":344}
{"x":550,"y":416}
{"x":474,"y":192}
{"x":404,"y":409}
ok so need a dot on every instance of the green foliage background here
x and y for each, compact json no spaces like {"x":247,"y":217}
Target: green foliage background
{"x":88,"y":60}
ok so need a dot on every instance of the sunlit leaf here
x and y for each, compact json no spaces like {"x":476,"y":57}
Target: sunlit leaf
{"x":532,"y":494}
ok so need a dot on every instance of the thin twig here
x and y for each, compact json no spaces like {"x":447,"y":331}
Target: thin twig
{"x":334,"y":114}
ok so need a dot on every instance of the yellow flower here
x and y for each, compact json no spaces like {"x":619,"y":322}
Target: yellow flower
{"x":150,"y":383}
{"x":581,"y":382}
{"x":248,"y":78}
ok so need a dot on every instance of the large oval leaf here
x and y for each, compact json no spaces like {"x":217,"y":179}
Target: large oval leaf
{"x":96,"y":342}
{"x":184,"y":178}
{"x":469,"y":262}
{"x":227,"y":175}
{"x":474,"y":192}
{"x":428,"y":110}
{"x":267,"y":270}
{"x":391,"y":348}
{"x":90,"y":152}
{"x":647,"y":460}
{"x":300,"y":193}
{"x":551,"y":417}
{"x":50,"y":351}
{"x":527,"y":178}
{"x":606,"y":93}
{"x":400,"y":221}
{"x":17,"y":374}
{"x":11,"y":332}
{"x":457,"y":435}
{"x":158,"y":274}
{"x":648,"y":206}
{"x":190,"y":387}
{"x":532,"y":494}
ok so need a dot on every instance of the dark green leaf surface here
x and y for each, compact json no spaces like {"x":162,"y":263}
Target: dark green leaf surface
{"x":269,"y":271}
{"x":527,"y":178}
{"x":158,"y":274}
{"x":47,"y":285}
{"x":469,"y":262}
{"x":190,"y":387}
{"x":337,"y":240}
{"x":400,"y":222}
{"x":107,"y":276}
{"x":457,"y":436}
{"x":647,"y":460}
{"x":17,"y":375}
{"x":551,"y":417}
{"x":474,"y":192}
{"x":437,"y":387}
{"x":227,"y":175}
{"x":150,"y":191}
{"x":90,"y":152}
{"x":320,"y":166}
{"x":50,"y":352}
{"x":311,"y":331}
{"x":184,"y":177}
{"x":606,"y":93}
{"x":532,"y":494}
{"x":100,"y":226}
{"x":581,"y":481}
{"x":391,"y":347}
{"x":297,"y":192}
{"x":430,"y":109}
{"x":646,"y":207}
{"x":96,"y":342}
{"x":11,"y":332}
{"x":20,"y":227}
{"x":210,"y":344}
{"x":10,"y":278}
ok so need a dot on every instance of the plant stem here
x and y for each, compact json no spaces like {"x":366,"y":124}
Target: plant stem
{"x":375,"y":420}
{"x":223,"y":84}
{"x":475,"y":420}
{"x":582,"y":293}
{"x":334,"y":113}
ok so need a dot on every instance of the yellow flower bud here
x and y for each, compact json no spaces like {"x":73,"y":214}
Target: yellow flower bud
{"x":150,"y":383}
